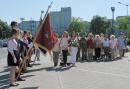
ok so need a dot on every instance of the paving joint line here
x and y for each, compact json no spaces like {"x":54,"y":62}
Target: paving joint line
{"x":125,"y":76}
{"x":61,"y":87}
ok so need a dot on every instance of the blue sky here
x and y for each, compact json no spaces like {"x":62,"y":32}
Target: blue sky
{"x":14,"y":9}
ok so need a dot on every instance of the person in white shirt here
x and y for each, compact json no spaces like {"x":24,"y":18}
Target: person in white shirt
{"x":56,"y":51}
{"x":105,"y":44}
{"x":64,"y":46}
{"x":12,"y":58}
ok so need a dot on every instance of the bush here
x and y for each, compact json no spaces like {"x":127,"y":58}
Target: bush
{"x":128,"y":42}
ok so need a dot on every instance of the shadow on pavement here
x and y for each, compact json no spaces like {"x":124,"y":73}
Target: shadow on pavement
{"x":51,"y":69}
{"x":102,"y":60}
{"x":30,"y":88}
{"x":36,"y":64}
{"x":27,"y":76}
{"x":5,"y":87}
{"x":4,"y":81}
{"x":6,"y":69}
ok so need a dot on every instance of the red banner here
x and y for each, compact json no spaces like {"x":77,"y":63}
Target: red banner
{"x":45,"y":37}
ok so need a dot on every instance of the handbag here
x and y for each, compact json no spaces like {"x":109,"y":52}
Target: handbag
{"x":116,"y":52}
{"x":93,"y":51}
{"x":102,"y":52}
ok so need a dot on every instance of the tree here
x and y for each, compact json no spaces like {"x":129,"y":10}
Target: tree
{"x":5,"y":29}
{"x":99,"y":25}
{"x":123,"y":23}
{"x":77,"y":25}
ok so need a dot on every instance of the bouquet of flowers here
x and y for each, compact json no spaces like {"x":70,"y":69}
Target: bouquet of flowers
{"x":74,"y":43}
{"x":69,"y":54}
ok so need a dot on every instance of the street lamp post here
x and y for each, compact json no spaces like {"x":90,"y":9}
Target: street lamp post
{"x":41,"y":14}
{"x":126,"y":6}
{"x":113,"y":10}
{"x":127,"y":9}
{"x":22,"y":22}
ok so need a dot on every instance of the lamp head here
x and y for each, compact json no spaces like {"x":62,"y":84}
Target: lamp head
{"x":42,"y":11}
{"x":119,"y":2}
{"x":113,"y":9}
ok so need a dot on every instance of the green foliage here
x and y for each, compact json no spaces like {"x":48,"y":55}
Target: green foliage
{"x":128,"y":32}
{"x":99,"y":25}
{"x":4,"y":27}
{"x":77,"y":25}
{"x":123,"y":23}
{"x":128,"y":41}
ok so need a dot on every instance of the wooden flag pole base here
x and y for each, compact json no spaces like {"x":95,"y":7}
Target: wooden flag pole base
{"x":25,"y":58}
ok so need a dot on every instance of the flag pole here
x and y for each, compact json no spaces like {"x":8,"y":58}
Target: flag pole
{"x":25,"y":58}
{"x":40,"y":26}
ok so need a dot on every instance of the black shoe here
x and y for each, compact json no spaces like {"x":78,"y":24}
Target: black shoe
{"x":20,"y":79}
{"x":68,"y":64}
{"x":55,"y":64}
{"x":12,"y":85}
{"x":24,"y":72}
{"x":21,"y":74}
{"x":29,"y":65}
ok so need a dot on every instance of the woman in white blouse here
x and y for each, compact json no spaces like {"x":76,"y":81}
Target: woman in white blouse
{"x":64,"y":46}
{"x":74,"y":48}
{"x":12,"y":58}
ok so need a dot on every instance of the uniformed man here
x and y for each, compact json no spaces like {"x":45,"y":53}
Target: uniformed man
{"x":83,"y":46}
{"x":78,"y":53}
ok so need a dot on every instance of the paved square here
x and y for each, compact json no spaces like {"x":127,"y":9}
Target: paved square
{"x":87,"y":75}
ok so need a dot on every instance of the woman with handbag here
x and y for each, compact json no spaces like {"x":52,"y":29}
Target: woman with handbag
{"x":113,"y":45}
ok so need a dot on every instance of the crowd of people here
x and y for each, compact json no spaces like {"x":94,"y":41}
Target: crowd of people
{"x":92,"y":47}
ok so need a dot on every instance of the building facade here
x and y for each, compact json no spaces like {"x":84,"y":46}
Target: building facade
{"x":29,"y":25}
{"x":60,"y":20}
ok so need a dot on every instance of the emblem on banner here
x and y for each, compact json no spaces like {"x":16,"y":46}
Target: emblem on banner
{"x":47,"y":35}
